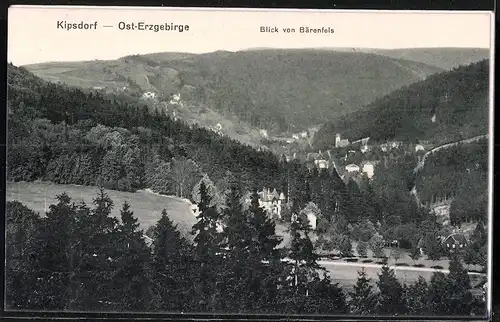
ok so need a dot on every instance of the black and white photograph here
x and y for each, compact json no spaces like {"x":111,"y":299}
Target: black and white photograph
{"x":244,"y":161}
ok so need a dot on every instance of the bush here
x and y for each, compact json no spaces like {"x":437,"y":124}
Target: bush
{"x":402,"y":264}
{"x":367,"y":261}
{"x":437,"y":267}
{"x":381,"y":263}
{"x":418,"y":265}
{"x":351,"y":260}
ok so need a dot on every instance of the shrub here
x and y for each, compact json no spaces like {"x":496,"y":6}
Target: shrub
{"x":419,"y":265}
{"x":402,"y":264}
{"x":351,"y":260}
{"x":437,"y":267}
{"x":367,"y":261}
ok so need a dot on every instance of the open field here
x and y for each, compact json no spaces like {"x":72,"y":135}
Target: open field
{"x":147,"y":207}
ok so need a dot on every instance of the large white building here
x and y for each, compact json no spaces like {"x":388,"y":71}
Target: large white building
{"x":272,"y":201}
{"x":369,"y":169}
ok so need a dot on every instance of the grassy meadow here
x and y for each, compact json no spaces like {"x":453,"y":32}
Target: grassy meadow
{"x":147,"y":206}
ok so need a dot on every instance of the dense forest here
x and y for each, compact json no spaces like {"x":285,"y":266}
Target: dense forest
{"x":79,"y":258}
{"x":458,"y":173}
{"x":66,"y":135}
{"x":458,"y":99}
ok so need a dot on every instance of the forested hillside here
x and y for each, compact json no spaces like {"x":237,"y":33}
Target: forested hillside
{"x":443,"y":108}
{"x":458,"y":173}
{"x":278,"y":90}
{"x":65,"y":135}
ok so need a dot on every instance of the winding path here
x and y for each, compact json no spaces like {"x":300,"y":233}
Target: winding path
{"x":421,"y":163}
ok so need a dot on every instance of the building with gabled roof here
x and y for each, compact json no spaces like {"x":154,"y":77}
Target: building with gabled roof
{"x":272,"y":201}
{"x":455,"y":242}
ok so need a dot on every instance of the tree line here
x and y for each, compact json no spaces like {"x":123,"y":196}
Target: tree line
{"x":78,"y":257}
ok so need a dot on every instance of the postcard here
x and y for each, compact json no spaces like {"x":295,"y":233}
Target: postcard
{"x":244,"y":161}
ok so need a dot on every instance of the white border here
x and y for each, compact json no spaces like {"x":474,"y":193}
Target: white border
{"x":491,"y":151}
{"x":256,"y":9}
{"x":491,"y":80}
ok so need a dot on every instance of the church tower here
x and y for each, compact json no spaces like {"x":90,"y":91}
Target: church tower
{"x":337,"y":139}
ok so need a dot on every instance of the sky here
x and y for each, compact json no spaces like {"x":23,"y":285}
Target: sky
{"x":33,"y":36}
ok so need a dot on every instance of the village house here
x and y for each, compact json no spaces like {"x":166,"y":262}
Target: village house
{"x":455,"y":242}
{"x":352,"y":168}
{"x":368,"y":169}
{"x":316,"y":160}
{"x":272,"y":201}
{"x":303,"y":134}
{"x":364,"y":149}
{"x":321,"y":164}
{"x":396,"y":144}
{"x":312,"y":219}
{"x":148,"y":95}
{"x":339,"y":143}
{"x":295,"y":136}
{"x":419,"y":147}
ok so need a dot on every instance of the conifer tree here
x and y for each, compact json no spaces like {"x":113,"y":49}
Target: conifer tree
{"x":439,"y":294}
{"x":208,"y":251}
{"x":264,"y":256}
{"x":477,"y":251}
{"x":432,"y":247}
{"x":171,"y":268}
{"x":327,"y":297}
{"x":53,"y":260}
{"x":96,"y":253}
{"x":132,"y":289}
{"x":460,"y":300}
{"x":304,"y":260}
{"x":22,"y":231}
{"x":363,"y":301}
{"x":237,"y":242}
{"x":390,"y":293}
{"x":416,"y":297}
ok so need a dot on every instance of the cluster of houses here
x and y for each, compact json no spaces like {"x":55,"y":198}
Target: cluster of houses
{"x":321,"y":161}
{"x":385,"y":147}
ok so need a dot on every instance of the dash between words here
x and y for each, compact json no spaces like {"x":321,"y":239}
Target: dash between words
{"x":302,"y":30}
{"x":140,"y":25}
